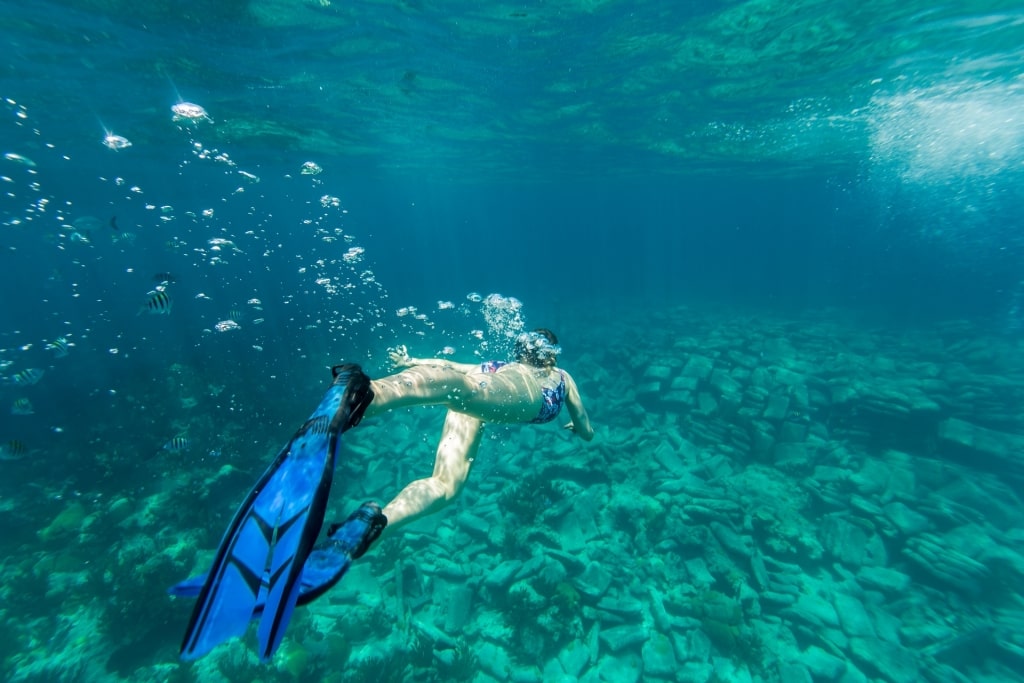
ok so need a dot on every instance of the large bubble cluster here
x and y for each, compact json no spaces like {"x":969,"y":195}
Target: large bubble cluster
{"x":457,"y":331}
{"x":504,"y":318}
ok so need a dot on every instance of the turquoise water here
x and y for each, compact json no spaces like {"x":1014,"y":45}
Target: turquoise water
{"x":780,"y":243}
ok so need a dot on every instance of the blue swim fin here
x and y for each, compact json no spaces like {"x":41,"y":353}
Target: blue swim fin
{"x":263,"y":552}
{"x":327,"y":563}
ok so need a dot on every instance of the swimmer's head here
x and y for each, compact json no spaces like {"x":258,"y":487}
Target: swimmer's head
{"x":538,"y":348}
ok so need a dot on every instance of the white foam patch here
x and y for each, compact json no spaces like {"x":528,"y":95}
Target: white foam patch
{"x":964,"y":130}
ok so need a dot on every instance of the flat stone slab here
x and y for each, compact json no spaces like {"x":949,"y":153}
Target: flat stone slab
{"x":699,"y":367}
{"x":504,"y":574}
{"x":594,"y":581}
{"x":888,"y":661}
{"x":621,"y":637}
{"x":657,"y":372}
{"x":986,"y":442}
{"x":883,"y":579}
{"x":659,"y":657}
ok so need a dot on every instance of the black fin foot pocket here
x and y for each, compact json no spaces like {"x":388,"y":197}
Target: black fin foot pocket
{"x":358,"y":394}
{"x":355,"y":535}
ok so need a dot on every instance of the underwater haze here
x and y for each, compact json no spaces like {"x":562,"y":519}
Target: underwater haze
{"x":781,"y":244}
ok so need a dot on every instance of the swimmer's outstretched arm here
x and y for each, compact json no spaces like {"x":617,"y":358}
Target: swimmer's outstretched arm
{"x":580,"y":420}
{"x":400,"y":358}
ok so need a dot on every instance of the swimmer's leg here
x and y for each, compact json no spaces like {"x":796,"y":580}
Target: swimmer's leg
{"x":423,"y":385}
{"x":460,"y":440}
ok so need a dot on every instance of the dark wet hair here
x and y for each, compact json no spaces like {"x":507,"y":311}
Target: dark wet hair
{"x":538,"y":348}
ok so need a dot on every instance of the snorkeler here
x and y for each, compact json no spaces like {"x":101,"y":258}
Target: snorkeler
{"x":266,"y":563}
{"x":529,"y":390}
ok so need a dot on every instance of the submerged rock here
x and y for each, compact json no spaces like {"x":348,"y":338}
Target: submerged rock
{"x":853,"y":617}
{"x":852,"y":544}
{"x":906,"y":520}
{"x":659,"y":657}
{"x":69,"y":521}
{"x":794,"y":672}
{"x":888,"y":661}
{"x":822,"y":665}
{"x":459,"y":605}
{"x":619,"y":638}
{"x":594,"y":581}
{"x":626,"y":606}
{"x":626,"y":668}
{"x":883,"y":579}
{"x":503,"y":575}
{"x":985,"y":443}
{"x":813,"y":610}
{"x":657,"y":372}
{"x":494,"y":660}
{"x":777,"y":408}
{"x":932,"y":555}
{"x":699,"y":367}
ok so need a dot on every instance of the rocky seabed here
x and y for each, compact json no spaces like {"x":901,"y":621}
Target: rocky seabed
{"x":765,"y":500}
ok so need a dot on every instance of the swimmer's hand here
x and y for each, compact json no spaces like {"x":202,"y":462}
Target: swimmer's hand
{"x":587,"y":434}
{"x":400,"y":356}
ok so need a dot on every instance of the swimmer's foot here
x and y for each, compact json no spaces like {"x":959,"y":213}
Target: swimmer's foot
{"x":355,"y":535}
{"x":358,"y":394}
{"x":347,"y":541}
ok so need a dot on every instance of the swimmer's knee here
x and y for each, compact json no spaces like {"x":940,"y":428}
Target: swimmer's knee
{"x":452,"y":490}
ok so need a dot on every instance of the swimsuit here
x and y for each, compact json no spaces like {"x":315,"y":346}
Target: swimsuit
{"x":553,"y":398}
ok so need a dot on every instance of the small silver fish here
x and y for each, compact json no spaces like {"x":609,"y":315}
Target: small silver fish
{"x":22,"y":406}
{"x":19,"y":159}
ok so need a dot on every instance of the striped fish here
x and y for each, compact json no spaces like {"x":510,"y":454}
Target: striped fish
{"x":22,"y":406}
{"x":60,"y":347}
{"x":12,"y":450}
{"x":28,"y":377}
{"x":178,"y":444}
{"x":158,"y":303}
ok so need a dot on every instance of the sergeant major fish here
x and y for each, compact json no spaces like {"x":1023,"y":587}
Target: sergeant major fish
{"x":60,"y":347}
{"x":28,"y":377}
{"x":12,"y":450}
{"x":22,"y":406}
{"x":178,"y":444}
{"x":158,"y":303}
